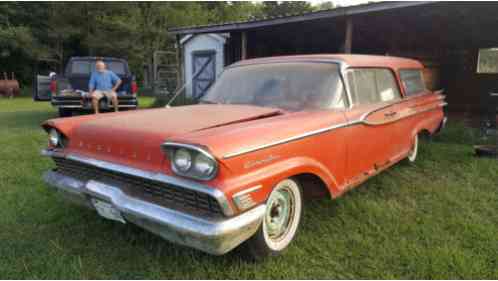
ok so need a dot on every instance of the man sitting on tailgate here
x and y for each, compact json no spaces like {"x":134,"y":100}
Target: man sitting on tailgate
{"x":102,"y":83}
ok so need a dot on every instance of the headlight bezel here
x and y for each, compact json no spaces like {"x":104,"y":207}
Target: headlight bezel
{"x":63,"y":139}
{"x":171,"y":149}
{"x":54,"y":134}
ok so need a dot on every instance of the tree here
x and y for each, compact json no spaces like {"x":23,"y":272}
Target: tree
{"x":285,"y":8}
{"x":54,"y":31}
{"x":328,"y":5}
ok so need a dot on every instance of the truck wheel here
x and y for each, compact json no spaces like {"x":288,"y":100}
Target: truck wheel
{"x":65,"y":112}
{"x":412,"y":155}
{"x":280,"y":223}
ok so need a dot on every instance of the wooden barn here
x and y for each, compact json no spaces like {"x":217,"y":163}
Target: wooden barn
{"x":456,"y":41}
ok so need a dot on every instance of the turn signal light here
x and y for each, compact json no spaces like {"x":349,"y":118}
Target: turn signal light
{"x":243,"y":200}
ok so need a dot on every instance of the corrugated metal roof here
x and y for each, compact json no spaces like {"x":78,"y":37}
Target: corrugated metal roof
{"x":283,"y":19}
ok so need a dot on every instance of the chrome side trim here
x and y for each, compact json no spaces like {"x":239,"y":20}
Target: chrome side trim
{"x":215,"y":236}
{"x":286,"y":140}
{"x":405,"y":116}
{"x":192,"y":185}
{"x":249,"y":190}
{"x":167,"y":144}
{"x":361,"y":120}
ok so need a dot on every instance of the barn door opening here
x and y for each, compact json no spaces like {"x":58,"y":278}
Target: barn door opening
{"x":204,"y":64}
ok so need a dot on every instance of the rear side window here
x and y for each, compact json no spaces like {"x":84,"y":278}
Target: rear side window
{"x":81,"y":67}
{"x":116,"y":67}
{"x":412,"y":81}
{"x":85,"y":67}
{"x":371,"y":85}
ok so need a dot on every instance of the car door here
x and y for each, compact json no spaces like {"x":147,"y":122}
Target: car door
{"x":374,"y":94}
{"x":415,"y":99}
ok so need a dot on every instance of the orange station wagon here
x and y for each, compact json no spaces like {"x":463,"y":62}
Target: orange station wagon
{"x":235,"y":168}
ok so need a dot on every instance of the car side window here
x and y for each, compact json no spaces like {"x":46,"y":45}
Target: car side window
{"x":372,"y":85}
{"x":412,"y":80}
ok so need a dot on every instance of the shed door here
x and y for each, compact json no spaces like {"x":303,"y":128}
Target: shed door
{"x":204,"y":72}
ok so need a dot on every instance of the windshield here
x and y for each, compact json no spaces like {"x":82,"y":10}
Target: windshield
{"x":289,"y":86}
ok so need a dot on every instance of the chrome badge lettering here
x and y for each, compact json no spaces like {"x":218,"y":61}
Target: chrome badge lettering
{"x":268,"y":159}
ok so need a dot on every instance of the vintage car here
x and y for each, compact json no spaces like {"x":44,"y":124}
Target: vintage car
{"x":235,"y":169}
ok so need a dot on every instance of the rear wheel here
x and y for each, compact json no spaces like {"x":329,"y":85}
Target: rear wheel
{"x":280,"y":223}
{"x":65,"y":112}
{"x":412,"y":155}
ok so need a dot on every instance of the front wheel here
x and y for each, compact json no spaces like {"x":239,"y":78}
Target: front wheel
{"x":412,"y":155}
{"x":280,"y":223}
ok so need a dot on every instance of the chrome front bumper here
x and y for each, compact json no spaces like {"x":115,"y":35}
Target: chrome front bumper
{"x":217,"y":236}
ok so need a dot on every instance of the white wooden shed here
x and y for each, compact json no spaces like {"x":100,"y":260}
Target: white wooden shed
{"x":204,"y":57}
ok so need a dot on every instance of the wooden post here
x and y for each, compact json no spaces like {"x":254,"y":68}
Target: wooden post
{"x":179,"y":72}
{"x":243,"y":51}
{"x":348,"y":40}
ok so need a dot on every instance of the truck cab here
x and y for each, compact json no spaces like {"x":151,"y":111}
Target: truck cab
{"x":69,"y":91}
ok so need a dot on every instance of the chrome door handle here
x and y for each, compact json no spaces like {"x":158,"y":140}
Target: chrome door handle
{"x":390,"y":114}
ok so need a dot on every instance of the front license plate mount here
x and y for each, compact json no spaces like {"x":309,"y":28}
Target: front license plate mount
{"x":107,"y":210}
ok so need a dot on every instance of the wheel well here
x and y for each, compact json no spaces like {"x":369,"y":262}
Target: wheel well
{"x":424,"y":134}
{"x":313,"y":186}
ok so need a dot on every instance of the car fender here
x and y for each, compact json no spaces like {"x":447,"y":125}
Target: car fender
{"x":268,"y":176}
{"x":429,"y":124}
{"x":66,"y":125}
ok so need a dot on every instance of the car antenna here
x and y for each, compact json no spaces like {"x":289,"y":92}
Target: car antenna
{"x":179,"y":90}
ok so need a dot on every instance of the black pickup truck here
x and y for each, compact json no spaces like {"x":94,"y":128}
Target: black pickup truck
{"x":69,"y":92}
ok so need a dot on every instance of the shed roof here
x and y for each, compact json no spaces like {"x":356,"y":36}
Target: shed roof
{"x":331,"y":13}
{"x":350,"y":60}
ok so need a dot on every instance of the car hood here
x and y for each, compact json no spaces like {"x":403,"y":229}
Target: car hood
{"x":135,"y":136}
{"x":228,"y":141}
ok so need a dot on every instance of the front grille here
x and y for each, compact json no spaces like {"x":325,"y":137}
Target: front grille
{"x":163,"y":194}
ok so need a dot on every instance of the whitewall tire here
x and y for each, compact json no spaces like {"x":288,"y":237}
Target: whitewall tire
{"x":412,"y":155}
{"x":281,"y":221}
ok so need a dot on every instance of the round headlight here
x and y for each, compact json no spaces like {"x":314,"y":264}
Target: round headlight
{"x":203,"y":165}
{"x":183,"y":160}
{"x":54,"y":137}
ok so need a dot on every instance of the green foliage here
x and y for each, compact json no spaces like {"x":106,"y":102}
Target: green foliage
{"x":55,"y":31}
{"x":324,"y":6}
{"x":285,"y":8}
{"x":488,"y":61}
{"x":51,"y":32}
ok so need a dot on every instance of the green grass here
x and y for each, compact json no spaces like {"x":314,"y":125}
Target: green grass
{"x":435,"y":219}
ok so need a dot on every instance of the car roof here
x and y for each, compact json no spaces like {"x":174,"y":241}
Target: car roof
{"x":348,"y":59}
{"x":96,"y":58}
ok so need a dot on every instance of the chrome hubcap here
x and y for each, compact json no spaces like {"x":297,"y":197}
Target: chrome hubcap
{"x":279,"y":213}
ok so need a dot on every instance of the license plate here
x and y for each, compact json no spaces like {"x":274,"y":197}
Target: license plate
{"x":107,"y":211}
